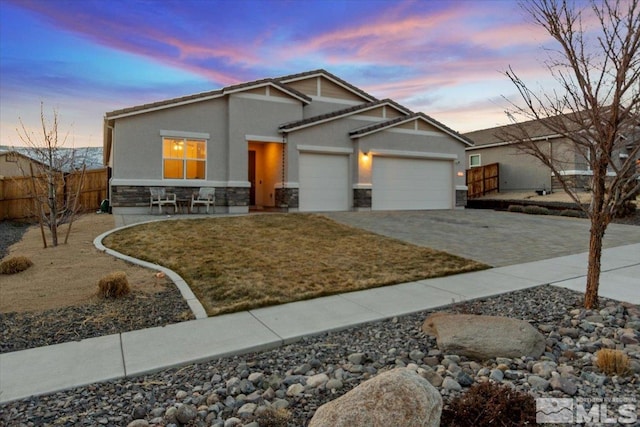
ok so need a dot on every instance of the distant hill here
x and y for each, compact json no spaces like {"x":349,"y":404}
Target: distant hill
{"x":90,"y":156}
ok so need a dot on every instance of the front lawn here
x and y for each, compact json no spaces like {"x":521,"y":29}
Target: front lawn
{"x":240,"y":263}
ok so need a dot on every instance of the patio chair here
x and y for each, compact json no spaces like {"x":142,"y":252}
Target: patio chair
{"x":205,"y":196}
{"x":159,"y":196}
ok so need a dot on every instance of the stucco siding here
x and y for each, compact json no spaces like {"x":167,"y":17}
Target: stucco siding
{"x":137,"y":147}
{"x":518,"y":171}
{"x":249,"y":116}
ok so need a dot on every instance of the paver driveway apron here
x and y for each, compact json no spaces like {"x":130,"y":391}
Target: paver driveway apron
{"x":492,"y":237}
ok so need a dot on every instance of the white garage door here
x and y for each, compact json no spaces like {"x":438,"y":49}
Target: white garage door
{"x":411,"y":184}
{"x":324,"y":182}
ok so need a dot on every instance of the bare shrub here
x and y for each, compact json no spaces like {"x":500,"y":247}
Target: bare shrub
{"x":612,"y":362}
{"x":114,"y":285}
{"x":15,"y":265}
{"x":490,"y":404}
{"x":536,"y":210}
{"x":573,"y":213}
{"x":274,"y":417}
{"x":515,"y":208}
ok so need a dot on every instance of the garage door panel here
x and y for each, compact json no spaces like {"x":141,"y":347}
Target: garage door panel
{"x":324,"y":182}
{"x":411,"y":184}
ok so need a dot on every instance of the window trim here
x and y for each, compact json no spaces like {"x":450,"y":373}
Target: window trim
{"x":479,"y":161}
{"x":184,"y":159}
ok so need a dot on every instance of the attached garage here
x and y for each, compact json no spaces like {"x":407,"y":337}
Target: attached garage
{"x":324,"y":182}
{"x":411,"y":184}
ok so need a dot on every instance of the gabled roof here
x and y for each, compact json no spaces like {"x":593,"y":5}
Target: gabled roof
{"x":204,"y":96}
{"x":377,"y":127}
{"x":335,"y":79}
{"x":534,"y":128}
{"x":323,"y":118}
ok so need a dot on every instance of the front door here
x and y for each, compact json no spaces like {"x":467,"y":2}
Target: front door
{"x":252,"y":177}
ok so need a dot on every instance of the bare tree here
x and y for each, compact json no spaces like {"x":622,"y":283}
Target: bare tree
{"x":54,"y":205}
{"x":596,"y":64}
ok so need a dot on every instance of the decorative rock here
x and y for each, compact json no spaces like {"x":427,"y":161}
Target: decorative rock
{"x":476,"y":336}
{"x":538,"y":383}
{"x":399,"y":394}
{"x":247,"y":410}
{"x":139,"y":412}
{"x":356,"y":358}
{"x":544,"y":368}
{"x":563,"y":384}
{"x":295,"y":390}
{"x":595,"y":379}
{"x":451,"y":384}
{"x":317,"y":380}
{"x":186,"y":413}
{"x":256,"y":377}
{"x":416,"y":355}
{"x":497,"y":375}
{"x":333,"y":384}
{"x":434,"y":378}
{"x":463,"y":379}
{"x":138,"y":423}
{"x":232,"y":422}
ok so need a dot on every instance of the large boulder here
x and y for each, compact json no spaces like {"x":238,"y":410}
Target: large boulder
{"x":399,"y":397}
{"x":484,"y":337}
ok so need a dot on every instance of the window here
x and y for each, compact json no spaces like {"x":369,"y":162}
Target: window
{"x":184,"y":158}
{"x":474,"y":160}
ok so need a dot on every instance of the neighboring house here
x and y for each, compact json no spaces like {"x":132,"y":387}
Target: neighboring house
{"x":523,"y":172}
{"x":14,"y":163}
{"x":304,"y":142}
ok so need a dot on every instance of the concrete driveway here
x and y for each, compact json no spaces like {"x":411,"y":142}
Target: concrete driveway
{"x":494,"y":238}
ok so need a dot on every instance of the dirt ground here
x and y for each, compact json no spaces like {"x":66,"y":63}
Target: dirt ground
{"x":67,"y":275}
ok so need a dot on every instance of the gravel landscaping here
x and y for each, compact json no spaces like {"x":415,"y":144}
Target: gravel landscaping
{"x":302,"y":376}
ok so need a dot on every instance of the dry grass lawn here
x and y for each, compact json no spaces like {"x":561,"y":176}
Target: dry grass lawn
{"x":239,"y":263}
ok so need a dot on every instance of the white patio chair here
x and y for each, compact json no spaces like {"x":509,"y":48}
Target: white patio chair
{"x":205,"y":196}
{"x":159,"y":196}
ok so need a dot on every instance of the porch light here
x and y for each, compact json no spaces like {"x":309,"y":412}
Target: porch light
{"x":460,"y":173}
{"x":365,"y":155}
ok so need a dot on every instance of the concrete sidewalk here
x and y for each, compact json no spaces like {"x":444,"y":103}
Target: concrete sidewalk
{"x":57,"y":367}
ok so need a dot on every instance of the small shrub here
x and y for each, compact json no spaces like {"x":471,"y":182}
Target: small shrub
{"x":573,"y":213}
{"x":536,"y":210}
{"x":490,"y":404}
{"x":612,"y":362}
{"x":516,"y":208}
{"x":114,"y":285}
{"x":274,"y":417}
{"x":15,"y":265}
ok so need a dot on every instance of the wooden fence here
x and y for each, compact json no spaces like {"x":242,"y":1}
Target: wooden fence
{"x":17,"y":198}
{"x":483,"y":180}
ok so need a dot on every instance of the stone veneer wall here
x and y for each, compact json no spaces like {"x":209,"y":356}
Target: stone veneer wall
{"x":361,"y":197}
{"x":138,"y":196}
{"x":461,"y":198}
{"x":287,"y":197}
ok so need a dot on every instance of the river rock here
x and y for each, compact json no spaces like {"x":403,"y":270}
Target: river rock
{"x":484,"y":337}
{"x":396,"y":397}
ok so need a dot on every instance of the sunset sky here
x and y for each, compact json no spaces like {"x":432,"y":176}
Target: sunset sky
{"x":85,"y":58}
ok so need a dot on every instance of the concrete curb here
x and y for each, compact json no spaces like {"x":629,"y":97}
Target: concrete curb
{"x":186,"y":292}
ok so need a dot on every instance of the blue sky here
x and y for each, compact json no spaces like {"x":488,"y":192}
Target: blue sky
{"x":87,"y":57}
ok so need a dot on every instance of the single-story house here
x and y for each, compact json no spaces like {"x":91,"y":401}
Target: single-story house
{"x":520,"y":171}
{"x":302,"y":142}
